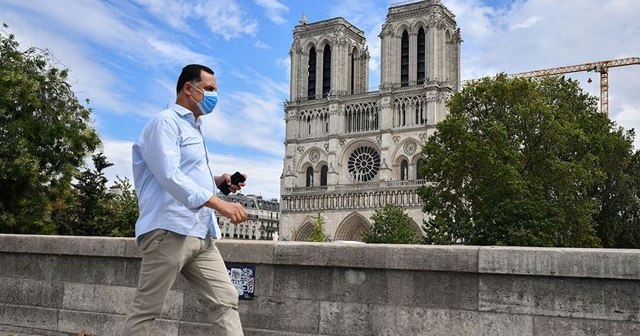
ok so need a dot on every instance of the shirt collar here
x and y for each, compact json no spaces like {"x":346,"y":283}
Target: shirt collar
{"x":185,"y":113}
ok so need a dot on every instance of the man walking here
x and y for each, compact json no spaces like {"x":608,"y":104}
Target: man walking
{"x":177,"y":227}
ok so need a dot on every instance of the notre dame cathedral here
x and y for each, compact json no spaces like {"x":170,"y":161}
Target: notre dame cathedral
{"x":348,"y":151}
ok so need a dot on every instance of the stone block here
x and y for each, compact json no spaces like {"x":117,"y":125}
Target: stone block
{"x":282,"y":314}
{"x":29,"y":266}
{"x":323,"y":254}
{"x":28,"y":292}
{"x":566,"y":262}
{"x":253,"y":252}
{"x":331,"y":284}
{"x":64,"y":245}
{"x":108,"y":324}
{"x":379,"y":320}
{"x":432,"y":258}
{"x":113,"y":299}
{"x":445,"y":290}
{"x":98,"y":270}
{"x":29,"y":316}
{"x":555,"y":326}
{"x":615,"y":300}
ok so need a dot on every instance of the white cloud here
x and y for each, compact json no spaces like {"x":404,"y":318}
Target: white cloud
{"x":226,"y":18}
{"x":529,"y":22}
{"x":261,"y":45}
{"x":274,"y":10}
{"x":118,"y":152}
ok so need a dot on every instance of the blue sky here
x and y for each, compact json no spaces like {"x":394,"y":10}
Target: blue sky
{"x":125,"y":57}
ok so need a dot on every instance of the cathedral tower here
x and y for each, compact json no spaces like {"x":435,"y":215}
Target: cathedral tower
{"x":349,"y":151}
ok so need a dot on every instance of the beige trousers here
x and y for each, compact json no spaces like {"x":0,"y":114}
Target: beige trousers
{"x":165,"y":254}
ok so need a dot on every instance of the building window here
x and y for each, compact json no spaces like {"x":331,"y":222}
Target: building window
{"x":326,"y":71}
{"x":323,"y":175}
{"x":404,"y":170}
{"x":419,"y":175}
{"x":363,"y":164}
{"x":421,"y":56}
{"x":311,"y":84}
{"x":309,"y":177}
{"x":353,"y":71}
{"x":404,"y":59}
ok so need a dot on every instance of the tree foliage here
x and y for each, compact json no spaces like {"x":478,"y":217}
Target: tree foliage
{"x":391,"y":225}
{"x":97,"y":210}
{"x":529,"y":162}
{"x":318,"y":235}
{"x":45,"y":135}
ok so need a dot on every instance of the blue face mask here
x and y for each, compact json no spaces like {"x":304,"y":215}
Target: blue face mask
{"x":209,"y":102}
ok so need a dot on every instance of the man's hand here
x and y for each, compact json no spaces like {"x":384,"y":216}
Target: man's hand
{"x":234,"y":211}
{"x":227,"y":177}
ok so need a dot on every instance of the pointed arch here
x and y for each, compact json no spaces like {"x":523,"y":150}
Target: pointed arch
{"x":303,"y":233}
{"x":326,"y":70}
{"x":404,"y":170}
{"x":352,"y":227}
{"x":404,"y":59}
{"x":311,"y":80}
{"x":421,"y":52}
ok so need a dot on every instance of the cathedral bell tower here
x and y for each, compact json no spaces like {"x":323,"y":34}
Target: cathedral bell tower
{"x":349,"y":151}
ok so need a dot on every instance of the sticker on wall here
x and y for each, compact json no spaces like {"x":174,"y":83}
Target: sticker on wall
{"x":243,"y":279}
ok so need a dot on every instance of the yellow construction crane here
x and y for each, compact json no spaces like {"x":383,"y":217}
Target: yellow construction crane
{"x":602,"y":67}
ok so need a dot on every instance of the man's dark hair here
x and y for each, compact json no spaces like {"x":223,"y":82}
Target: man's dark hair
{"x":191,"y":73}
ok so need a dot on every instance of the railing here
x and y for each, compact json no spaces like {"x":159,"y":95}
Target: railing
{"x":356,"y":186}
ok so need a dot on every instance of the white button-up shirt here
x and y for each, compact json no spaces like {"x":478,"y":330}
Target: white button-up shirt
{"x":172,"y":176}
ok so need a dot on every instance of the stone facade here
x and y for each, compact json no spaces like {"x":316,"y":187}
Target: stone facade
{"x":349,"y":151}
{"x":263,"y":218}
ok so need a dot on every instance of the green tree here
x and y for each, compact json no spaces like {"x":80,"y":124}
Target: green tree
{"x":124,"y":210}
{"x":45,"y":135}
{"x":90,"y":214}
{"x":526,"y":162}
{"x":318,"y":235}
{"x":98,"y":210}
{"x":391,"y":225}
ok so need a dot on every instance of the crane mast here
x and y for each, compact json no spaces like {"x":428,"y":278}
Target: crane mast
{"x":601,"y":67}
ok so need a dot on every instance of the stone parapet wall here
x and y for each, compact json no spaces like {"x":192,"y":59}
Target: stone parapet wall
{"x":60,"y":285}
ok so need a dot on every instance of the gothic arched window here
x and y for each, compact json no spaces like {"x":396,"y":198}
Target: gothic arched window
{"x":309,"y":177}
{"x":404,"y":170}
{"x":311,"y":83}
{"x":404,"y":59}
{"x":421,"y":56}
{"x":326,"y":71}
{"x":323,"y":175}
{"x":352,"y":80}
{"x":418,"y":170}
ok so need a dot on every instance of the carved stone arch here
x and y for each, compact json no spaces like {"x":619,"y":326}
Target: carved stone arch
{"x":323,"y":42}
{"x":399,"y":150}
{"x":305,"y":158}
{"x":303,"y":233}
{"x":401,"y":28}
{"x":310,"y":44}
{"x":415,"y":158}
{"x":420,"y":23}
{"x":417,"y":229}
{"x":352,"y":227}
{"x":322,"y":162}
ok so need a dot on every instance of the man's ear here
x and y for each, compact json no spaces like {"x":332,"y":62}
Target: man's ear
{"x":186,"y":88}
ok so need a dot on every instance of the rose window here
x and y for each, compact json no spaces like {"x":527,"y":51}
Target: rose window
{"x":364,"y":164}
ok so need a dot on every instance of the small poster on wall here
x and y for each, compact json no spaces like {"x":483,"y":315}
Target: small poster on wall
{"x":243,"y":279}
